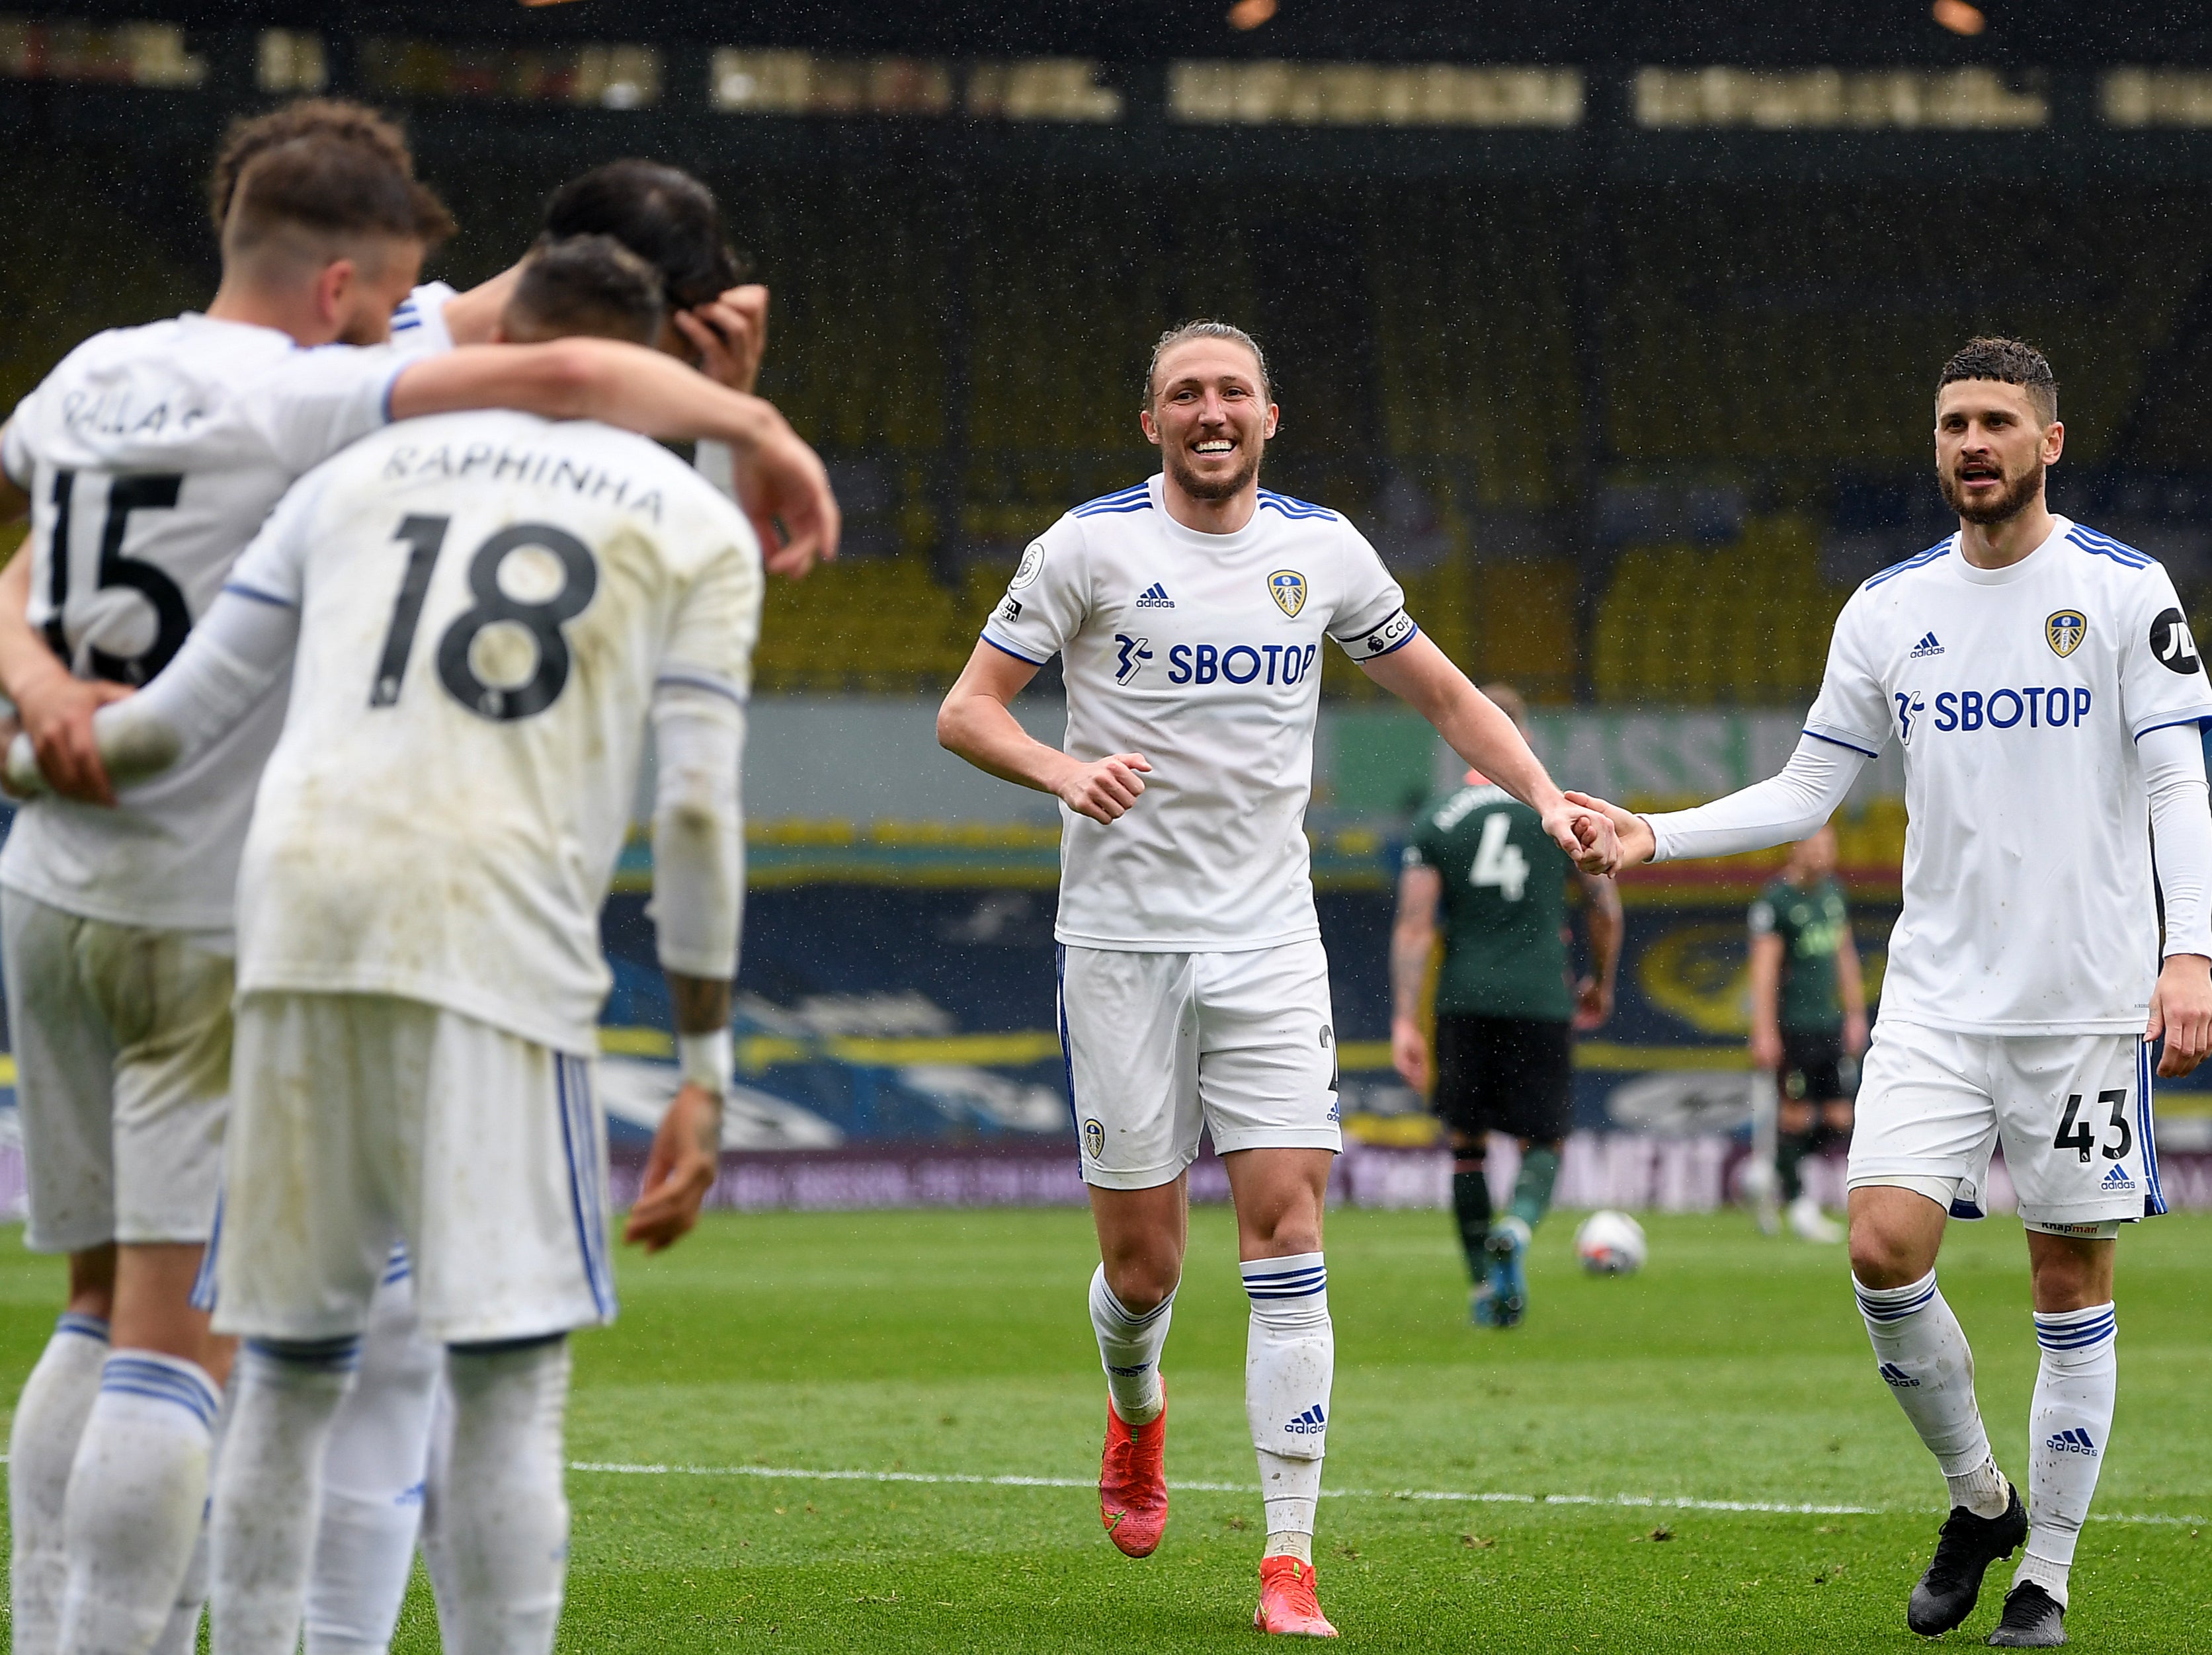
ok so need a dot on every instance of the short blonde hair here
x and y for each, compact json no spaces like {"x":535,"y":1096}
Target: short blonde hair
{"x":1204,"y":330}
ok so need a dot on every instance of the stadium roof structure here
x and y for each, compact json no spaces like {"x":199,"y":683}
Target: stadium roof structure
{"x":1845,"y":32}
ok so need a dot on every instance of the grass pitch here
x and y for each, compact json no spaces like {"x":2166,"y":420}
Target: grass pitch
{"x":955,"y":1346}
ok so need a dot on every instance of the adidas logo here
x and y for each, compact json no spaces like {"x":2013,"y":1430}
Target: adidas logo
{"x":1311,"y":1424}
{"x":1155,"y":596}
{"x":2118,"y":1179}
{"x":2072,"y":1440}
{"x":1927,"y":645}
{"x":1897,"y":1377}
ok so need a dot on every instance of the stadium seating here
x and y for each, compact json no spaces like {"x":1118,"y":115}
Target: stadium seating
{"x":971,"y":365}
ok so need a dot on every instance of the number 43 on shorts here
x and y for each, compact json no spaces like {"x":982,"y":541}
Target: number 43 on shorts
{"x":2076,"y":1133}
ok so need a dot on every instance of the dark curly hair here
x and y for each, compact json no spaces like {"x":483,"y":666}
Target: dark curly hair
{"x":660,"y":213}
{"x":2008,"y":361}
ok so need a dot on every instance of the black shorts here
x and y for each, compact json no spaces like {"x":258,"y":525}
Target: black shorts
{"x":1511,"y":1075}
{"x":1813,"y":1065}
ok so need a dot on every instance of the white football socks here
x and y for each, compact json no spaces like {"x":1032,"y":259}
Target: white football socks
{"x":267,"y":1488}
{"x":50,"y":1417}
{"x":1290,"y":1362}
{"x":1924,"y":1358}
{"x":374,"y":1470}
{"x":2069,"y":1423}
{"x":506,"y":1516}
{"x":138,"y":1493}
{"x":1129,"y":1348}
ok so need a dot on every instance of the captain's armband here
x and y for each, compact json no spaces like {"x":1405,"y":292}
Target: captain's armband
{"x":1394,"y":632}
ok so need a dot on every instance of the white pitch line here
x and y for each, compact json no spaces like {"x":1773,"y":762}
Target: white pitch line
{"x":794,"y":1474}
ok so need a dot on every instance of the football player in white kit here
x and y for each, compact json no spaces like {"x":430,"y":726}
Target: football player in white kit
{"x":150,"y":456}
{"x":1189,"y":613}
{"x":487,"y":608}
{"x":2041,"y":680}
{"x":383,"y":1471}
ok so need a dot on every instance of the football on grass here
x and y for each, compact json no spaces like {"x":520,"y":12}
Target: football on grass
{"x":1610,"y":1244}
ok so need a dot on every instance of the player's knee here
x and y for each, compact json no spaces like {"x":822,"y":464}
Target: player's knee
{"x":1142,"y":1281}
{"x":1881,"y":1256}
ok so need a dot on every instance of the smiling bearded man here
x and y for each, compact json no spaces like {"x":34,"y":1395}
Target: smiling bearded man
{"x":1189,"y":611}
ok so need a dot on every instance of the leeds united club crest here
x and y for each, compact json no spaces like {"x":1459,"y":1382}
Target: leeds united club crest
{"x":2065,"y":631}
{"x":1288,"y":588}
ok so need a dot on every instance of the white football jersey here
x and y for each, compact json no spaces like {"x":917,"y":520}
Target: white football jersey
{"x":151,"y":455}
{"x":487,"y":602}
{"x":1202,"y":652}
{"x":2018,"y":694}
{"x":418,"y":326}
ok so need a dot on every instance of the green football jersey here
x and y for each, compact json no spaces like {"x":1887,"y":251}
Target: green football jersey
{"x":1810,"y":924}
{"x":1505,"y":910}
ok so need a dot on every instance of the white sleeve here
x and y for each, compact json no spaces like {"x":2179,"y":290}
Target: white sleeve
{"x":1049,"y":599}
{"x":1370,"y":619}
{"x":2181,"y":832}
{"x":2161,"y":678}
{"x":1779,"y":810}
{"x":234,"y":656}
{"x":1852,"y":708}
{"x":698,"y":831}
{"x":715,"y":462}
{"x":322,"y":400}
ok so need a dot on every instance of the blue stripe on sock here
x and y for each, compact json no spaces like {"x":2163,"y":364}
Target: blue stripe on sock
{"x":82,"y":1327}
{"x":1879,"y":1311}
{"x":2064,"y":1333}
{"x":161,"y":1381}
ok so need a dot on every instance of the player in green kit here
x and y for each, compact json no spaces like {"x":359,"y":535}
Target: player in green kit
{"x":1504,"y":1008}
{"x":1807,"y":1018}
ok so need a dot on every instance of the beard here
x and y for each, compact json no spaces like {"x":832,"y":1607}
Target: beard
{"x":1201,"y":488}
{"x":2017,"y":496}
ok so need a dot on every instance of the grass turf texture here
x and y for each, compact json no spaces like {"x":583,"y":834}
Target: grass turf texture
{"x":1733,"y":1368}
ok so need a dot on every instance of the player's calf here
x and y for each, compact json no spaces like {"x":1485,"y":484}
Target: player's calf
{"x":507,"y":1517}
{"x":137,"y":1488}
{"x":1290,"y":1364}
{"x":2070,"y":1423}
{"x":267,"y":1488}
{"x":50,"y":1418}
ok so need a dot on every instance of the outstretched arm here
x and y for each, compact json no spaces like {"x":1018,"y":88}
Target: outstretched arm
{"x":780,"y":480}
{"x":977,"y":723}
{"x":1422,"y":675}
{"x":1784,"y":807}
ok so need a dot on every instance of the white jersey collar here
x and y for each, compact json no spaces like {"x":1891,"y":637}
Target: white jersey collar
{"x":2060,"y":527}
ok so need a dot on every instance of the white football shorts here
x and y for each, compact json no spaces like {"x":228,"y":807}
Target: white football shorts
{"x":1159,"y":1045}
{"x":2073,"y":1112}
{"x":122,"y":1038}
{"x":361,"y":1120}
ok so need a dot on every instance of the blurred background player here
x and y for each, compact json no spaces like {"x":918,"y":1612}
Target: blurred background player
{"x":124,"y":1092}
{"x":1189,"y":612}
{"x":539,"y":624}
{"x":1807,"y":1022}
{"x":1505,"y":1010}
